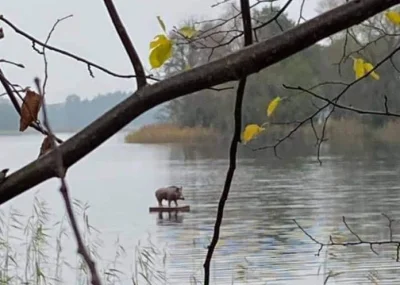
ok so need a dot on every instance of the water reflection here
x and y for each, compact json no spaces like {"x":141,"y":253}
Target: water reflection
{"x":169,"y":219}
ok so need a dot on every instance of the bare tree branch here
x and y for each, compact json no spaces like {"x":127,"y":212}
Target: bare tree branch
{"x":274,"y":18}
{"x":244,"y":62}
{"x":89,"y":63}
{"x":360,"y":241}
{"x":126,"y":41}
{"x":12,"y":63}
{"x":248,"y":40}
{"x":61,"y":171}
{"x":386,"y":113}
{"x":46,"y":75}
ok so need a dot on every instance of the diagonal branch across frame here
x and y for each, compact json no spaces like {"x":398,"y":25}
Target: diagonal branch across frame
{"x":244,"y":62}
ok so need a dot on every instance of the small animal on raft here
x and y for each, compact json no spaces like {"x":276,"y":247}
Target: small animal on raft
{"x":171,"y":193}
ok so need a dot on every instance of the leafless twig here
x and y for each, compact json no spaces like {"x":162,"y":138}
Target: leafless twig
{"x":46,"y":75}
{"x":274,"y":18}
{"x":12,"y":63}
{"x":61,"y":171}
{"x":360,"y":241}
{"x":248,"y":40}
{"x":87,"y":62}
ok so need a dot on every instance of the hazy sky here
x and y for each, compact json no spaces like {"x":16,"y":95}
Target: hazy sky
{"x":90,"y":34}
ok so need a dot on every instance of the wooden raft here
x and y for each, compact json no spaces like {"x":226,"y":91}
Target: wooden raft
{"x":169,"y":209}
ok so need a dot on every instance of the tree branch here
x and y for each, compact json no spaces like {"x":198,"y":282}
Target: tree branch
{"x":20,"y":65}
{"x":360,"y":241}
{"x":63,"y":52}
{"x":45,"y":62}
{"x":386,"y":113}
{"x":58,"y":159}
{"x":248,"y":40}
{"x":244,"y":62}
{"x":126,"y":41}
{"x":274,"y":18}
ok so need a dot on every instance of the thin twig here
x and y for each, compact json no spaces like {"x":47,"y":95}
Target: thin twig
{"x":248,"y":40}
{"x":78,"y":58}
{"x":65,"y":193}
{"x":334,"y":103}
{"x":46,"y":75}
{"x":275,"y":17}
{"x":370,"y":243}
{"x":12,"y":63}
{"x":390,"y":220}
{"x":126,"y":41}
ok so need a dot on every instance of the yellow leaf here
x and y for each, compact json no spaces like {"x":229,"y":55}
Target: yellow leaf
{"x":159,"y":39}
{"x":368,"y":67}
{"x":358,"y":67}
{"x":393,"y":17}
{"x":272,"y":105}
{"x":161,"y":50}
{"x":361,"y":67}
{"x":187,"y":31}
{"x":161,"y":22}
{"x":251,"y":131}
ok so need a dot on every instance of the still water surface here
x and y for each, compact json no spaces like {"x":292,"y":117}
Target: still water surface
{"x":118,"y":180}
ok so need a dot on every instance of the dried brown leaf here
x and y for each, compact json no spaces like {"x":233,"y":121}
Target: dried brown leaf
{"x":46,"y":146}
{"x":30,"y":109}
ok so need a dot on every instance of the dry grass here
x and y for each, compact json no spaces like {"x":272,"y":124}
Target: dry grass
{"x":347,"y":131}
{"x":342,"y":132}
{"x":389,"y":132}
{"x":170,"y":133}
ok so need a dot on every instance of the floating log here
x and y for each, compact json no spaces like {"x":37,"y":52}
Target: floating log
{"x":169,"y":209}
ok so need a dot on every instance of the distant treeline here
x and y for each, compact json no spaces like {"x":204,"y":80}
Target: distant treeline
{"x":75,"y":113}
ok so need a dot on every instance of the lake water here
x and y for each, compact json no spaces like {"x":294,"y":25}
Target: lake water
{"x":260,"y":243}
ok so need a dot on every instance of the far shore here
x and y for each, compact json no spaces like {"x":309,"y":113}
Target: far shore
{"x":341,"y":132}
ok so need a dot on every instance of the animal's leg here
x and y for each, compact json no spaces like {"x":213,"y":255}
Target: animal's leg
{"x":169,"y":203}
{"x":176,"y":203}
